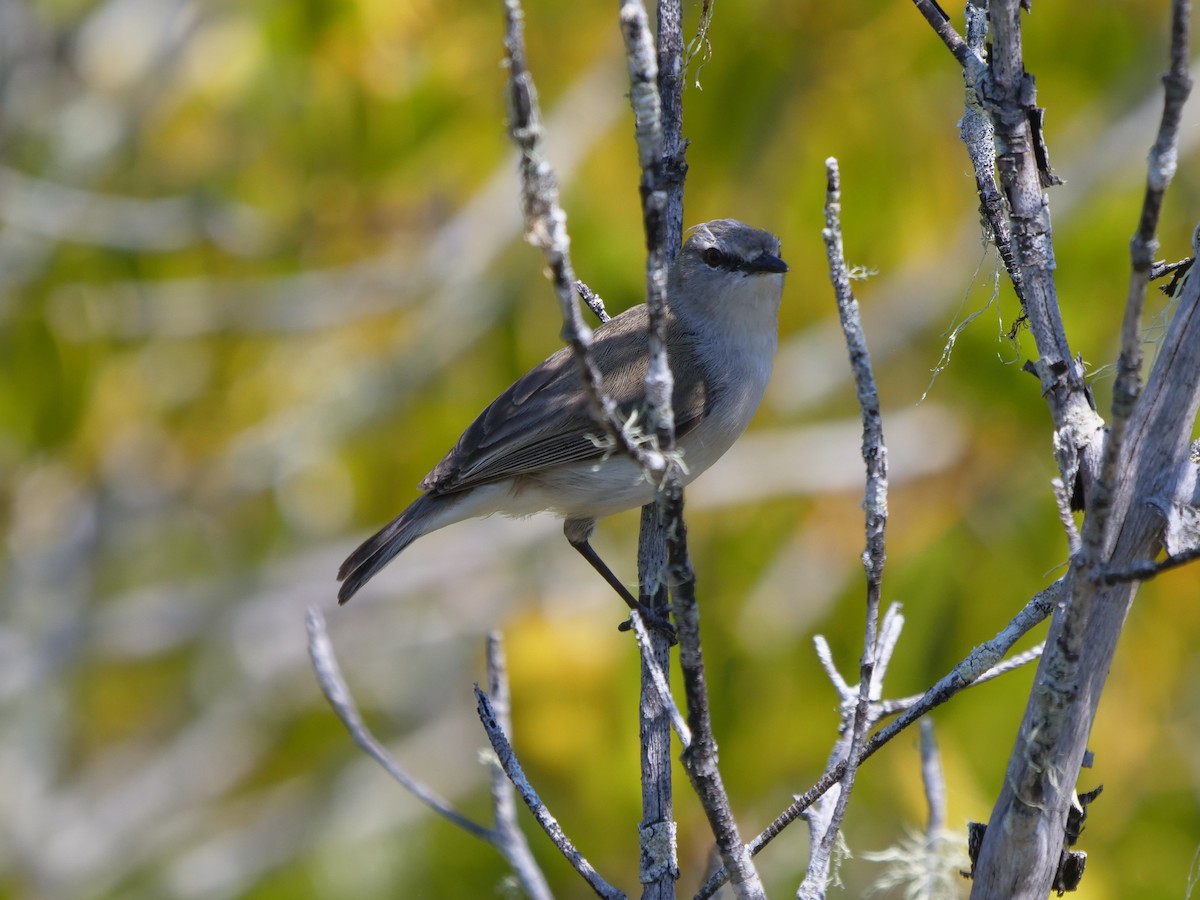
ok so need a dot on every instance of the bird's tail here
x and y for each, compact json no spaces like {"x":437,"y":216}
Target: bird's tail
{"x":381,"y":548}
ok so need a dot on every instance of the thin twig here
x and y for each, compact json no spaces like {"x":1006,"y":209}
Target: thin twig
{"x":593,"y":300}
{"x":967,"y":55}
{"x":516,"y":774}
{"x":700,"y":757}
{"x":1062,"y":501}
{"x":820,"y":815}
{"x":333,"y":686}
{"x":825,"y":657}
{"x":1144,"y":571}
{"x":889,"y":637}
{"x":891,"y":707}
{"x":545,"y":227}
{"x":510,"y":839}
{"x":924,"y":865}
{"x":875,"y":504}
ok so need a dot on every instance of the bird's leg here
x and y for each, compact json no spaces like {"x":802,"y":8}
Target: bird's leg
{"x":654,"y":618}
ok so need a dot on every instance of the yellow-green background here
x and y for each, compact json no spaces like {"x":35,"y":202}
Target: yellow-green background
{"x":199,"y":419}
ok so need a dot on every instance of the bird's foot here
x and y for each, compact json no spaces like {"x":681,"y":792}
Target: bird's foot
{"x":655,"y":619}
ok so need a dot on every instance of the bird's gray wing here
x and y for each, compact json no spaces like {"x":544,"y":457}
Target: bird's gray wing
{"x":543,"y":419}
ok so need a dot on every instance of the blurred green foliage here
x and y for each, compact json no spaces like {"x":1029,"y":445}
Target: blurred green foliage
{"x":260,"y":263}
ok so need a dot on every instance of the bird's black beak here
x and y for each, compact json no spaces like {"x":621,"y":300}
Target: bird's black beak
{"x":765,"y":263}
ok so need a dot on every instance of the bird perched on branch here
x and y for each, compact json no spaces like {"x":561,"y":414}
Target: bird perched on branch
{"x":538,"y":446}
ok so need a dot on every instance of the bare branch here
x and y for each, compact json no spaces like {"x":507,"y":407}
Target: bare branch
{"x":891,"y":707}
{"x":932,"y":781}
{"x":333,"y":686}
{"x":889,"y":637}
{"x":593,"y":300}
{"x":1142,"y":456}
{"x":545,"y":227}
{"x":825,"y":813}
{"x":1161,"y":167}
{"x":1144,"y":571}
{"x":875,"y":503}
{"x":657,"y":830}
{"x":659,"y":678}
{"x":967,"y":55}
{"x":656,"y":95}
{"x":825,"y":657}
{"x":1062,"y":501}
{"x":700,"y":757}
{"x":648,"y":125}
{"x":964,"y":675}
{"x":516,"y":774}
{"x":661,"y":214}
{"x":509,"y":838}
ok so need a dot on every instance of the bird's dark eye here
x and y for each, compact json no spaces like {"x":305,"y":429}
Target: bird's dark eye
{"x":713,"y":257}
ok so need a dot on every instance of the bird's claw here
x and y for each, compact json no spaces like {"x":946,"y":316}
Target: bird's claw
{"x":656,"y":620}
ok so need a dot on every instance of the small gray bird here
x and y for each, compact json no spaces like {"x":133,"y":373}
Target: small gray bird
{"x":537,"y":446}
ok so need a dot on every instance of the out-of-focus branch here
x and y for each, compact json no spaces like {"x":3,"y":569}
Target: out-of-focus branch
{"x":333,"y":686}
{"x":509,"y":838}
{"x":925,"y":865}
{"x":934,"y":784}
{"x":63,"y":213}
{"x":506,"y":836}
{"x":826,"y":813}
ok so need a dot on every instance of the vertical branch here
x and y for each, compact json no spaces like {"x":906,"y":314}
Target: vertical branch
{"x":647,"y":115}
{"x":975,"y":129}
{"x":1140,"y":462}
{"x":545,"y":226}
{"x":875,"y":503}
{"x":657,"y":99}
{"x":659,"y":199}
{"x":671,"y":74}
{"x":659,"y":862}
{"x":1009,"y":95}
{"x":935,"y":798}
{"x":1143,"y":247}
{"x":700,"y":757}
